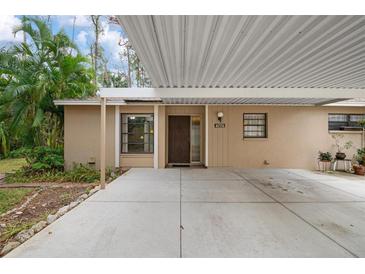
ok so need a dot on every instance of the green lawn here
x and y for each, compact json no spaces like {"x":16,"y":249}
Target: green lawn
{"x":10,"y":197}
{"x":9,"y":165}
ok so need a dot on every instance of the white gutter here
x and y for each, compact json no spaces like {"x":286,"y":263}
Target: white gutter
{"x":87,"y":102}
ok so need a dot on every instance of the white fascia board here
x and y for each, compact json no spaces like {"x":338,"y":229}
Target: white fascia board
{"x":86,"y":103}
{"x":76,"y":102}
{"x":345,"y":105}
{"x":115,"y":103}
{"x":329,"y":93}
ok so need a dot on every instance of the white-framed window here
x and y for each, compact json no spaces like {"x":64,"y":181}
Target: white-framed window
{"x":255,"y":125}
{"x":136,"y":133}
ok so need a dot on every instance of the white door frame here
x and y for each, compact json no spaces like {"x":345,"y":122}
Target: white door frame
{"x":117,"y":136}
{"x":155,"y":136}
{"x":206,"y":134}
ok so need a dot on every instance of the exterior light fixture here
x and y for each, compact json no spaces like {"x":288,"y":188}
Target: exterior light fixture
{"x":220,"y":116}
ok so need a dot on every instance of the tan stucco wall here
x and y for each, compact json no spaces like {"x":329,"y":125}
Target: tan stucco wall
{"x":136,"y":160}
{"x":82,"y":135}
{"x":295,"y":134}
{"x":136,"y":109}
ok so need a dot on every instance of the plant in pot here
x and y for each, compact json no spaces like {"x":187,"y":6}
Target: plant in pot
{"x":362,"y":125}
{"x":359,"y":168}
{"x":340,"y":155}
{"x":325,"y":158}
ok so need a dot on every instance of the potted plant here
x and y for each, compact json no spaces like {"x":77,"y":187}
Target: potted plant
{"x":325,"y":158}
{"x":340,"y":155}
{"x":359,"y":168}
{"x":362,"y":125}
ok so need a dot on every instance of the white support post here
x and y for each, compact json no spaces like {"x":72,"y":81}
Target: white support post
{"x":206,"y":135}
{"x":117,"y":136}
{"x":102,"y":140}
{"x":155,"y":136}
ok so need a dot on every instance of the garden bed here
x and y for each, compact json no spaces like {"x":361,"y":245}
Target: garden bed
{"x":35,"y":206}
{"x":37,"y":190}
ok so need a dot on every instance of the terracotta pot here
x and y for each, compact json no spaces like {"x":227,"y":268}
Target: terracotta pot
{"x":340,"y":156}
{"x":359,"y":170}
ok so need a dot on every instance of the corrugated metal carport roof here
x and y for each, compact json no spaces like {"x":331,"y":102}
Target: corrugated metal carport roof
{"x":247,"y":101}
{"x":250,"y":51}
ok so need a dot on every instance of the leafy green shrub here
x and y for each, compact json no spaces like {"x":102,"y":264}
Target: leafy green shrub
{"x":20,"y":152}
{"x":82,"y":173}
{"x":324,"y":156}
{"x":43,"y":159}
{"x":24,"y":176}
{"x":360,"y":156}
{"x":79,"y":173}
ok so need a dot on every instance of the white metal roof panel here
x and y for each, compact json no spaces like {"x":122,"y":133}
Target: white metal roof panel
{"x":250,"y":51}
{"x":247,"y":101}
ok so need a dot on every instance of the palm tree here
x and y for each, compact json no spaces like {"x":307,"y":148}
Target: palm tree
{"x":35,"y":73}
{"x":4,"y":143}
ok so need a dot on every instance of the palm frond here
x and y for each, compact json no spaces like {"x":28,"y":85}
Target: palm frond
{"x":38,"y":118}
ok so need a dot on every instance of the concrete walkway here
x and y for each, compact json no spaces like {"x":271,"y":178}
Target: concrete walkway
{"x":212,"y":213}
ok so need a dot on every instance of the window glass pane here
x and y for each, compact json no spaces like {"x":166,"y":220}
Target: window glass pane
{"x":337,"y":117}
{"x":254,"y":125}
{"x":254,"y":115}
{"x":343,"y":121}
{"x":136,"y":148}
{"x":254,"y":122}
{"x":137,"y":133}
{"x":356,"y":117}
{"x":195,"y":138}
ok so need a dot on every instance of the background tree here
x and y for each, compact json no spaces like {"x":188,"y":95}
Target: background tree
{"x":47,"y":66}
{"x":4,"y":139}
{"x":33,"y":74}
{"x":95,"y":50}
{"x":136,"y":75}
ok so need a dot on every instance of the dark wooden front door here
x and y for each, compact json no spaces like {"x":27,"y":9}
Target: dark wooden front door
{"x":179,"y":139}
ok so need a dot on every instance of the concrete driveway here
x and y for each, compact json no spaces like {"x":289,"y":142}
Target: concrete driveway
{"x":212,"y":213}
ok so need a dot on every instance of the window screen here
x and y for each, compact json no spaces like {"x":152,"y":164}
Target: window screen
{"x":255,"y":125}
{"x":137,"y":133}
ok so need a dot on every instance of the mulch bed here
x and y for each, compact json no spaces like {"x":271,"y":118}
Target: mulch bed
{"x":50,"y":198}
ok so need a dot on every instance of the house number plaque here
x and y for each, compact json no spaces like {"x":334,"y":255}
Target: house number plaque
{"x":219,"y":125}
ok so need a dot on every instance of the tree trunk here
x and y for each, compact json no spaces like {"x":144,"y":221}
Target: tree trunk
{"x":95,"y":19}
{"x":129,"y":67}
{"x":138,"y":74}
{"x":73,"y":32}
{"x":142,"y":77}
